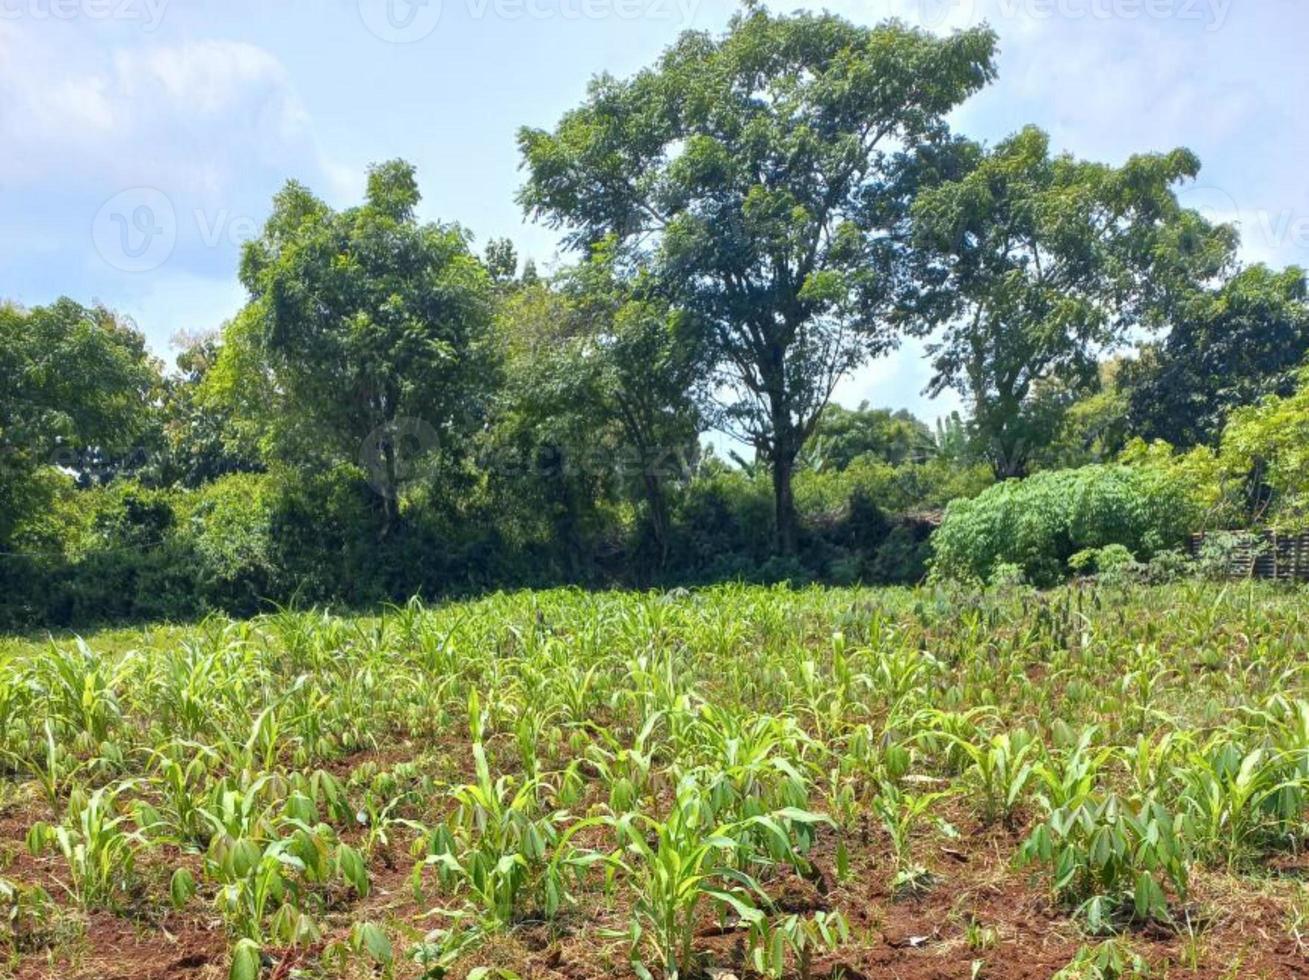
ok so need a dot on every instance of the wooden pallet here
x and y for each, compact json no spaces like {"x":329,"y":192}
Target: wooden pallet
{"x":1265,"y":555}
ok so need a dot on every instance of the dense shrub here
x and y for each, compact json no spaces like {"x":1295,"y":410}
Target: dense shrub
{"x":721,"y":526}
{"x":1265,"y":456}
{"x":1038,"y":524}
{"x":245,"y":541}
{"x":896,"y":489}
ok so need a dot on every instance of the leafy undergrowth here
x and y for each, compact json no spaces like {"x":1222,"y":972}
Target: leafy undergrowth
{"x":743,"y":781}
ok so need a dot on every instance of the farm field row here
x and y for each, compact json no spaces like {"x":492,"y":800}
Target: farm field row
{"x":766,"y":783}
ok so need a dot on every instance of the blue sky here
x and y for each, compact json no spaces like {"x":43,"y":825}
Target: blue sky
{"x":142,"y":140}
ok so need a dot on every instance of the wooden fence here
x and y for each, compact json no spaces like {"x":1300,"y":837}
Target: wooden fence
{"x":1263,"y":554}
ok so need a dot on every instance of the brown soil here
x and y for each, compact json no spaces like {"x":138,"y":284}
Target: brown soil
{"x":1016,"y":933}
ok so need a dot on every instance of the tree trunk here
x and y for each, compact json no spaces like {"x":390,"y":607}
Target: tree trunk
{"x":391,"y":492}
{"x":1008,"y":458}
{"x":784,"y":516}
{"x":654,"y":496}
{"x":1009,"y":448}
{"x":782,"y":455}
{"x":1006,"y":467}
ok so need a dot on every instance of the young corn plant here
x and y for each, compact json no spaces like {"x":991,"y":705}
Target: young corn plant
{"x":1241,"y":804}
{"x":499,"y":847}
{"x":627,"y":771}
{"x":1000,"y":771}
{"x":96,"y":846}
{"x":1065,"y":779}
{"x":181,"y":790}
{"x":81,"y":691}
{"x":266,"y":886}
{"x":680,"y":864}
{"x":28,"y":914}
{"x":801,"y":937}
{"x":521,"y":859}
{"x":900,"y":814}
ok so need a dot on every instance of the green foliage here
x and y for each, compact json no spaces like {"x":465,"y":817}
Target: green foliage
{"x":76,"y":389}
{"x":202,"y":438}
{"x":1229,"y":346}
{"x":759,"y":173}
{"x":1113,"y":562}
{"x":1265,"y":455}
{"x":1093,"y":420}
{"x":1035,"y":263}
{"x":843,"y":435}
{"x":1040,"y":523}
{"x":370,"y":329}
{"x":602,"y":374}
{"x":390,"y":415}
{"x":1112,"y":959}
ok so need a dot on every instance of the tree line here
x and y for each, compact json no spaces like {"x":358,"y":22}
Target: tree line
{"x":748,"y":220}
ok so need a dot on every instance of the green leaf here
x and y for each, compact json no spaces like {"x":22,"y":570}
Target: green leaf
{"x":181,"y":888}
{"x":353,"y":869}
{"x":372,"y":938}
{"x":747,"y":912}
{"x":245,"y":961}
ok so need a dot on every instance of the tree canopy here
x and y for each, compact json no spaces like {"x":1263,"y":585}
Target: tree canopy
{"x":763,"y":176}
{"x":1229,"y":346}
{"x":399,"y":408}
{"x":1035,"y":265}
{"x":366,"y":323}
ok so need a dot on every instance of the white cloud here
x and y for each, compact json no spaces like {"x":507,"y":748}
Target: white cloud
{"x":205,"y":76}
{"x":214,"y":126}
{"x":207,"y":117}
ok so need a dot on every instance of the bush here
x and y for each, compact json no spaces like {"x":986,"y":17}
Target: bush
{"x":245,"y":541}
{"x":722,"y":526}
{"x":1040,"y":523}
{"x":1264,"y":458}
{"x":229,"y":526}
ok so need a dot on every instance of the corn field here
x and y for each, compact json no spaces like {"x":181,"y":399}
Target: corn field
{"x":747,"y":781}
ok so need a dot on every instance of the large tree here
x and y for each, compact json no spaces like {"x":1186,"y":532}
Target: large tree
{"x":761,"y":175}
{"x":1036,"y":265}
{"x":367,"y":330}
{"x":77,"y":390}
{"x":604,"y":368}
{"x":1228,"y":346}
{"x":843,"y":435}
